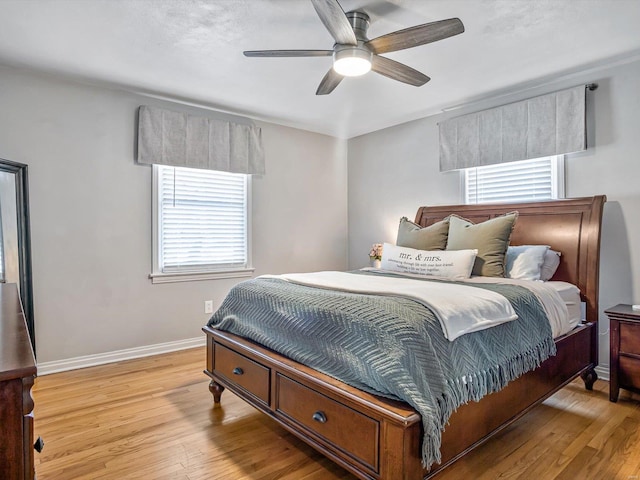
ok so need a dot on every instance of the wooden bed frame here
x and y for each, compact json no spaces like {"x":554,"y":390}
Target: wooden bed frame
{"x":376,"y":438}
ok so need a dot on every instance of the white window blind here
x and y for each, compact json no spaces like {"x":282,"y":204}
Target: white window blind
{"x":528,"y":180}
{"x":202,"y":220}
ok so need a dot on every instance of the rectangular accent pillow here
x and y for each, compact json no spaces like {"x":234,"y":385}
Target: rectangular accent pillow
{"x":455,"y":265}
{"x":524,"y":262}
{"x":490,"y":238}
{"x":433,"y":237}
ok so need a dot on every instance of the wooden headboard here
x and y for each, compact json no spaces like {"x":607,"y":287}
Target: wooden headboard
{"x":570,"y":226}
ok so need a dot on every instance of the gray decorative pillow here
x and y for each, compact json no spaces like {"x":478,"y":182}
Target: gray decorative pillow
{"x":433,"y":237}
{"x":490,"y":238}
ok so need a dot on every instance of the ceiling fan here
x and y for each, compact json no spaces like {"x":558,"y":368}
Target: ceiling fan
{"x":354,"y":54}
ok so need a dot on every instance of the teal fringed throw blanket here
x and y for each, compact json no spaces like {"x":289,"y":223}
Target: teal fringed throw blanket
{"x":391,"y":346}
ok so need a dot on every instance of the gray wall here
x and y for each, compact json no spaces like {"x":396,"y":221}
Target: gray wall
{"x":393,"y":171}
{"x":91,"y":216}
{"x":91,"y":204}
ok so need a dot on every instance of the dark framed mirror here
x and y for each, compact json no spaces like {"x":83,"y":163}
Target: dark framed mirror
{"x":15,"y":236}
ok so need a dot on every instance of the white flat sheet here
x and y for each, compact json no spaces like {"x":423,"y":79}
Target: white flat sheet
{"x":481,"y":308}
{"x":570,"y":294}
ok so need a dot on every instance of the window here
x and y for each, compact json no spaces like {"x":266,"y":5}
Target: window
{"x":201,"y":224}
{"x":527,"y":180}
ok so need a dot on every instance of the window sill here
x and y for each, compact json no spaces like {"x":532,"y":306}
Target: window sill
{"x":197,"y":276}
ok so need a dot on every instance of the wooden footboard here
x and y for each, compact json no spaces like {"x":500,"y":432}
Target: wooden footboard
{"x":370,"y":436}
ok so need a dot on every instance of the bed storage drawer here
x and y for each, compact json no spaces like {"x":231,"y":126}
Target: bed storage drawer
{"x":243,"y":372}
{"x":354,"y":433}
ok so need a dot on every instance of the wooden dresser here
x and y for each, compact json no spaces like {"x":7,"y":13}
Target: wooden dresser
{"x":624,"y":338}
{"x":17,"y":373}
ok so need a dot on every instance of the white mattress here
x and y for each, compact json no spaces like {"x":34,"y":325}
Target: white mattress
{"x":570,"y":295}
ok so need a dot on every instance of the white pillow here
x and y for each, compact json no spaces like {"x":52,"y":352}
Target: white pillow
{"x":451,"y":264}
{"x":524,"y":262}
{"x":550,"y":265}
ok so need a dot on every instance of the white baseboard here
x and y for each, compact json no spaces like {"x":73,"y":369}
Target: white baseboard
{"x":603,"y":372}
{"x":46,"y":368}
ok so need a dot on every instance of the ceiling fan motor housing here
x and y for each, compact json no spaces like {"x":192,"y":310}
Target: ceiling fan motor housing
{"x":360,"y":23}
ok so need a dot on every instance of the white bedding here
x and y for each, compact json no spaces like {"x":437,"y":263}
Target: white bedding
{"x":570,"y":294}
{"x":481,"y":308}
{"x":557,"y":298}
{"x":485,"y":309}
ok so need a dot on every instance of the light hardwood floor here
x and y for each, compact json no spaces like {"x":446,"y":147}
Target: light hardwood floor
{"x":153,"y":419}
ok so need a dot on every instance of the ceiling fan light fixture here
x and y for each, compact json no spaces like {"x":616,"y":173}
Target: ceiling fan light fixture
{"x":352,"y":61}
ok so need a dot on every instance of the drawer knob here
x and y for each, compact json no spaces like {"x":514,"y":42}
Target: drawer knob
{"x":238,"y":371}
{"x":39,"y":445}
{"x":320,"y":417}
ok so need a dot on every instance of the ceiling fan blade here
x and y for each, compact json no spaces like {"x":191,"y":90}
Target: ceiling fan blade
{"x":398,"y":71}
{"x":288,"y":53}
{"x":418,"y":35}
{"x":329,"y":82}
{"x":335,"y":20}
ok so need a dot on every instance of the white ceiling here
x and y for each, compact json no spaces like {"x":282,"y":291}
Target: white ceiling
{"x":191,"y":50}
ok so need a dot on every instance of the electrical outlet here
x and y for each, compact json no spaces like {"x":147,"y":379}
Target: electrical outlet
{"x":208,"y":306}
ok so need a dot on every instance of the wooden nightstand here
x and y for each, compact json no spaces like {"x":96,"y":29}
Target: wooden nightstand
{"x":624,"y":335}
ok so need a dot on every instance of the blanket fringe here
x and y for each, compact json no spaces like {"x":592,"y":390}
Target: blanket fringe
{"x":474,"y":386}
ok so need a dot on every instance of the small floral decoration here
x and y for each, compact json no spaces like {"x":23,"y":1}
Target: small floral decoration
{"x":376,"y":252}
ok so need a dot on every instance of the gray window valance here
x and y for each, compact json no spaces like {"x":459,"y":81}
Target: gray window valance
{"x":551,"y":124}
{"x":184,"y":140}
